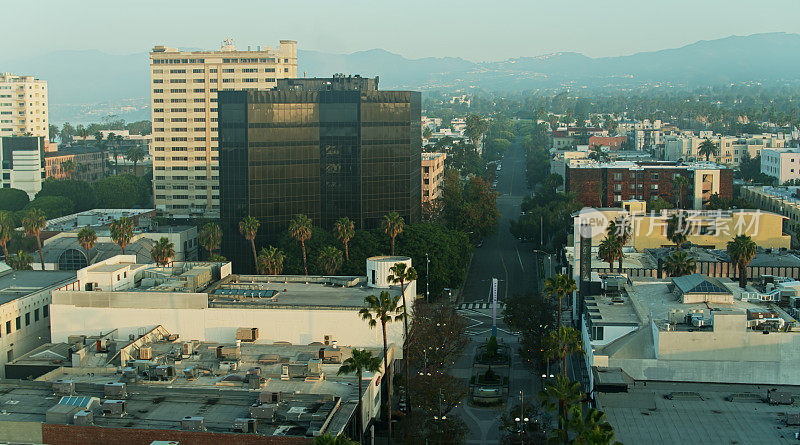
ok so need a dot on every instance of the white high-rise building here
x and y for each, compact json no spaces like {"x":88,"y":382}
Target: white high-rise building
{"x":23,"y":106}
{"x":184,"y":117}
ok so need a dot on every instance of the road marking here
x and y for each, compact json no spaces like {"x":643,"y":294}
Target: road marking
{"x":520,"y":260}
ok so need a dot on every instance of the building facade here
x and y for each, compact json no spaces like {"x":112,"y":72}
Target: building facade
{"x":784,"y":165}
{"x":612,"y":142}
{"x":22,"y":160}
{"x":609,"y":184}
{"x":23,"y":106}
{"x":184,"y":88}
{"x":326,"y":148}
{"x":686,"y":146}
{"x":432,"y":175}
{"x":85,"y":164}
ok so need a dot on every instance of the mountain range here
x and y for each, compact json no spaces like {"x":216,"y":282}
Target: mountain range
{"x":91,"y":83}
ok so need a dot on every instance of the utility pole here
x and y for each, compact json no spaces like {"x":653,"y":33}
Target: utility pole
{"x":494,"y":307}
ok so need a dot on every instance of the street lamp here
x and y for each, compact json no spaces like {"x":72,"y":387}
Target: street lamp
{"x":427,"y":278}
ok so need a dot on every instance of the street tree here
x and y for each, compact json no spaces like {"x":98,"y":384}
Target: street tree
{"x":403,"y":274}
{"x":360,"y":361}
{"x":300,"y":228}
{"x":345,"y":230}
{"x":248,"y":227}
{"x":393,"y":225}
{"x":210,"y":237}
{"x":382,"y":310}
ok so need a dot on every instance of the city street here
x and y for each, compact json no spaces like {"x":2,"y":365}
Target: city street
{"x":513,"y":264}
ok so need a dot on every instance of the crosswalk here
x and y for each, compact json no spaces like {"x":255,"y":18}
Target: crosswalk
{"x":480,"y":305}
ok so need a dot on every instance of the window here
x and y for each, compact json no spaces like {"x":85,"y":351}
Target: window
{"x":618,"y":176}
{"x":18,"y":323}
{"x":597,"y":332}
{"x":8,"y":327}
{"x":28,"y":319}
{"x":653,"y":186}
{"x":158,"y":90}
{"x":177,"y":81}
{"x":198,"y":70}
{"x":654,"y":176}
{"x":617,"y":187}
{"x":177,"y":71}
{"x":227,"y":70}
{"x":177,"y":90}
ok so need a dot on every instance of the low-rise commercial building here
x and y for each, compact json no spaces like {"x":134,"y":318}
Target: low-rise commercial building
{"x":204,"y":301}
{"x":25,"y":309}
{"x":161,"y":386}
{"x":432,"y":175}
{"x":605,"y":184}
{"x":62,"y":250}
{"x":691,"y":329}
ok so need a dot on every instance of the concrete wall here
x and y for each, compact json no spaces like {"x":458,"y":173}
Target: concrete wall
{"x":297,"y":326}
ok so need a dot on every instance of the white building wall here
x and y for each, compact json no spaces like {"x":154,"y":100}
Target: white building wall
{"x":780,"y":164}
{"x":297,"y":326}
{"x":34,"y":326}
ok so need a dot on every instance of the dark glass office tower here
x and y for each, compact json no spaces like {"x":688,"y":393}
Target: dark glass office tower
{"x":324,"y":147}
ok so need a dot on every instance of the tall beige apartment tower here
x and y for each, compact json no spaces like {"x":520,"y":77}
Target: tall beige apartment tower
{"x":183,"y":95}
{"x":23,"y":106}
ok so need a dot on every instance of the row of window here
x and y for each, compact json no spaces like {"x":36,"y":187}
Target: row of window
{"x":18,"y":320}
{"x":653,"y":176}
{"x":182,"y":110}
{"x":165,"y":61}
{"x":185,"y":197}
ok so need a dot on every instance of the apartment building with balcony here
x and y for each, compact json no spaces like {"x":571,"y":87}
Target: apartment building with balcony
{"x":184,"y":86}
{"x":432,"y":175}
{"x":23,"y":106}
{"x":608,"y":184}
{"x":686,"y":146}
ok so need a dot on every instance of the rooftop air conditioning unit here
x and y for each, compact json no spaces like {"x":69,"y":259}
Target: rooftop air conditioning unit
{"x":193,"y":423}
{"x":130,"y":374}
{"x":264,"y":411}
{"x":242,"y":425}
{"x":114,"y":407}
{"x":64,"y":387}
{"x":83,"y":418}
{"x":145,"y":353}
{"x":115,"y":389}
{"x":190,"y":372}
{"x":269,"y":397}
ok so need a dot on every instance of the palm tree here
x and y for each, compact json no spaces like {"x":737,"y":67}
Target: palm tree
{"x":708,"y":148}
{"x":591,"y":428}
{"x":562,"y":343}
{"x":163,"y":251}
{"x":134,"y":153}
{"x":382,"y":309}
{"x":679,"y":264}
{"x":393,"y":225}
{"x":609,"y":250}
{"x":329,"y":260}
{"x":210,"y":237}
{"x":34,"y":223}
{"x":361,"y":360}
{"x":621,"y":228}
{"x":22,"y":261}
{"x":345,"y":230}
{"x":300,"y":229}
{"x":248,"y":227}
{"x":327,"y":439}
{"x":677,"y":229}
{"x":68,"y":168}
{"x":682,"y":184}
{"x":556,"y":396}
{"x":122,"y":232}
{"x":742,"y":250}
{"x":558,"y":287}
{"x":402,"y":274}
{"x":87,"y":239}
{"x":270,"y":261}
{"x":83,"y":133}
{"x":6,"y":231}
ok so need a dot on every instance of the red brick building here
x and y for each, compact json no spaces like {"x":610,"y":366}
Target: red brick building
{"x":613,"y":142}
{"x":608,"y":184}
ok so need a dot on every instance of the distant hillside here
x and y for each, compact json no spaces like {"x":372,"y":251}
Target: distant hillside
{"x":87,"y":84}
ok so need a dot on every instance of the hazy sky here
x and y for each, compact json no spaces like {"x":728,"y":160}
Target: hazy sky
{"x":482,"y":30}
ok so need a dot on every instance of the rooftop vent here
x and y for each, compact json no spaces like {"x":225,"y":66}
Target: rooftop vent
{"x":114,"y":407}
{"x":193,"y":423}
{"x":243,"y":425}
{"x":64,"y":387}
{"x":83,"y":418}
